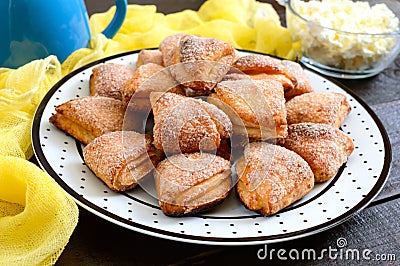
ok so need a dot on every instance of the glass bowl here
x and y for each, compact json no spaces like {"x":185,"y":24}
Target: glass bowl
{"x":347,"y":52}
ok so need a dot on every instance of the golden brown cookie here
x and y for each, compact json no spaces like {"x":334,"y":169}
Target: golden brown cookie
{"x":141,"y":74}
{"x":146,"y":79}
{"x":259,"y":65}
{"x":255,"y":107}
{"x":192,"y":182}
{"x":199,"y":62}
{"x":121,"y":158}
{"x":302,"y":82}
{"x":318,"y":107}
{"x":168,"y":46}
{"x":149,"y":56}
{"x":183,"y":124}
{"x":271,"y":178}
{"x":107,"y":79}
{"x":89,"y":117}
{"x":324,"y":147}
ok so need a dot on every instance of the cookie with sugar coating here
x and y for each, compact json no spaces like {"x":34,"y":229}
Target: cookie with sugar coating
{"x":149,"y":56}
{"x":271,"y":177}
{"x":89,"y":117}
{"x":148,"y":78}
{"x":108,"y":78}
{"x":324,"y":147}
{"x":318,"y":107}
{"x":121,"y":159}
{"x":255,"y":107}
{"x":184,"y":124}
{"x":200,"y":63}
{"x":192,"y":182}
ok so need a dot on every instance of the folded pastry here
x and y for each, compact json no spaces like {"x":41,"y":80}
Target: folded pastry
{"x":146,"y":79}
{"x":168,"y":46}
{"x":149,"y":56}
{"x":258,"y":66}
{"x":191,"y":183}
{"x":199,"y":63}
{"x":235,"y":74}
{"x":318,"y":107}
{"x":183,"y":124}
{"x":302,"y":84}
{"x":108,"y":78}
{"x":141,"y":74}
{"x":89,"y":117}
{"x":324,"y":147}
{"x":286,"y":83}
{"x":121,"y":158}
{"x":255,"y":107}
{"x":271,"y":177}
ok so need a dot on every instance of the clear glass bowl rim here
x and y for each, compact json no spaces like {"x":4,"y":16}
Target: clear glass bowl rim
{"x":288,"y":4}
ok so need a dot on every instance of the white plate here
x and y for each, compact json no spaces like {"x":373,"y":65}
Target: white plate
{"x":330,"y":203}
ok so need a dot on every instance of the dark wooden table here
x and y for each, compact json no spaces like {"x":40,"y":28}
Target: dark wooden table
{"x":98,"y":242}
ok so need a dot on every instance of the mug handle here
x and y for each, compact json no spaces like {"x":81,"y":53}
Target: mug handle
{"x":117,"y":20}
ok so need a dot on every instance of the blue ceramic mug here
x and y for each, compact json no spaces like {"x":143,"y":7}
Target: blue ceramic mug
{"x":35,"y":29}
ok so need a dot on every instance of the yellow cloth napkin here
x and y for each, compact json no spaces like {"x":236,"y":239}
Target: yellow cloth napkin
{"x":21,"y":91}
{"x":36,"y":216}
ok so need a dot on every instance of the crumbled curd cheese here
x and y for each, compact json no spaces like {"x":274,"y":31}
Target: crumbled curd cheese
{"x":337,"y":45}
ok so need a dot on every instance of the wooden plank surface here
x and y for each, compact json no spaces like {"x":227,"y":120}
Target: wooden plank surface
{"x":389,"y":114}
{"x":382,"y":88}
{"x":99,"y":242}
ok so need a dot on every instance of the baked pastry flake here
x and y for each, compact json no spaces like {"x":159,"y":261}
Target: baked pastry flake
{"x":324,"y":147}
{"x":255,"y":107}
{"x":271,"y":178}
{"x":121,"y":159}
{"x":108,"y":78}
{"x":146,"y":79}
{"x":89,"y":117}
{"x":318,"y":107}
{"x":183,"y":124}
{"x":149,"y":56}
{"x":192,"y":182}
{"x":199,"y":62}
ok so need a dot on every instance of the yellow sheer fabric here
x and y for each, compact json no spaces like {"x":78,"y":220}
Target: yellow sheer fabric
{"x":21,"y":91}
{"x":36,"y":216}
